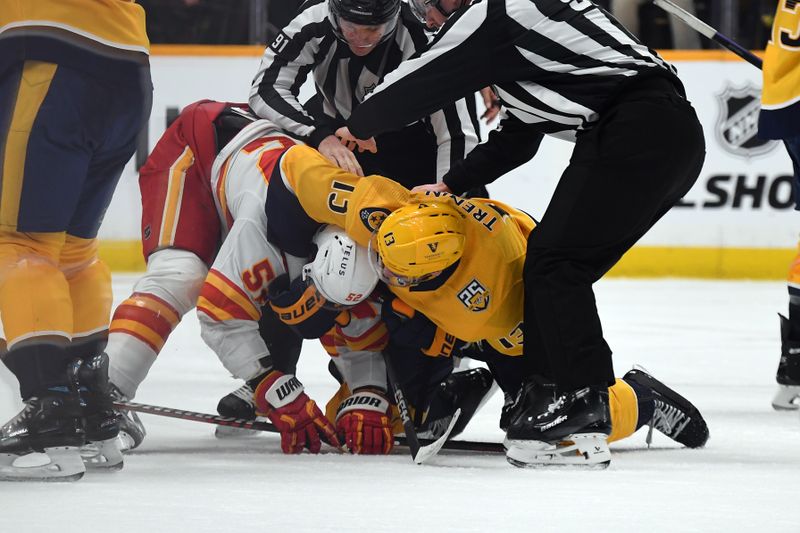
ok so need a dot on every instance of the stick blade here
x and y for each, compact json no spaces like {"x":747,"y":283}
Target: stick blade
{"x":425,"y":453}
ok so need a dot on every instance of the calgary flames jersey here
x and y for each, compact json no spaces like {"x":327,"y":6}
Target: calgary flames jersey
{"x":780,"y":97}
{"x":478,"y":298}
{"x":236,"y":288}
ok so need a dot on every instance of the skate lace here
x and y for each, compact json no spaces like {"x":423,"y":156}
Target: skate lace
{"x":556,"y":405}
{"x":18,"y":424}
{"x":668,"y":419}
{"x":245,"y":393}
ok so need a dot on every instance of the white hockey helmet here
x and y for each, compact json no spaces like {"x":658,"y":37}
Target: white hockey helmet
{"x":341,"y":270}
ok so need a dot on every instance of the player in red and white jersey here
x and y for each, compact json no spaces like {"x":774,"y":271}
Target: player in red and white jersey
{"x":204,"y":184}
{"x":188,"y":206}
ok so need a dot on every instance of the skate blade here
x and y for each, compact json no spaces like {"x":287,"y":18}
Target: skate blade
{"x":586,"y":450}
{"x":103,"y":456}
{"x":228,"y":432}
{"x":787,"y":398}
{"x":56,"y":464}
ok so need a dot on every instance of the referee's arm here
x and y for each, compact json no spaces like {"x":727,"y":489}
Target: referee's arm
{"x":284,"y":67}
{"x":457,"y":64}
{"x":512,"y":144}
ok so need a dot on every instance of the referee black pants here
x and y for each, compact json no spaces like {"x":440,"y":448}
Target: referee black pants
{"x":643,"y":155}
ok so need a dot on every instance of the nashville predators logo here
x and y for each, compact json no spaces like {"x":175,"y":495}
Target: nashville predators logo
{"x":474,"y":296}
{"x":373,"y":217}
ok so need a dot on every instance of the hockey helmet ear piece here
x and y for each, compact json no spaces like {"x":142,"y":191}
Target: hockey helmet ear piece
{"x":341,"y":270}
{"x":373,"y":13}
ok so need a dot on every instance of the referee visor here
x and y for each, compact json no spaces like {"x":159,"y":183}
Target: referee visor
{"x":365,"y":36}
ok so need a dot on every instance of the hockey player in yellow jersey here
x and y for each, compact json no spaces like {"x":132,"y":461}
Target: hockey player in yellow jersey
{"x":780,"y":119}
{"x":75,"y":91}
{"x":459,"y":262}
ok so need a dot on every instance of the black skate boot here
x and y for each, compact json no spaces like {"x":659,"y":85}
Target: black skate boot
{"x":131,"y":429}
{"x":237,"y":404}
{"x":467,"y":390}
{"x":551,"y":428}
{"x":787,"y":398}
{"x":50,"y":423}
{"x":674,"y":415}
{"x":102,"y":420}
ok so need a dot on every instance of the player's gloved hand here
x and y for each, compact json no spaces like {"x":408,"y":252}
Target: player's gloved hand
{"x":280,"y":397}
{"x":410,"y":329}
{"x":300,"y":305}
{"x":363,"y":423}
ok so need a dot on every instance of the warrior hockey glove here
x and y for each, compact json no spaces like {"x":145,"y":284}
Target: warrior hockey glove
{"x":362,"y":421}
{"x":410,"y":329}
{"x":280,"y":397}
{"x":300,"y":305}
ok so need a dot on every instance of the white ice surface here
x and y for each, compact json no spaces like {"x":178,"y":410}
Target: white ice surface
{"x":715,"y":342}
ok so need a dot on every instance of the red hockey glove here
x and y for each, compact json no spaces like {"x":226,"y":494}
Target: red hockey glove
{"x":363,"y":422}
{"x":280,"y":397}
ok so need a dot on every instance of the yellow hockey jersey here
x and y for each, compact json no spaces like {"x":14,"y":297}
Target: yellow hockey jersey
{"x":780,"y":97}
{"x":116,"y":24}
{"x":479,"y":298}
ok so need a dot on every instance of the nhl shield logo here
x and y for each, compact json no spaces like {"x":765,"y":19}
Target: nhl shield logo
{"x":737,"y":126}
{"x":474,"y":296}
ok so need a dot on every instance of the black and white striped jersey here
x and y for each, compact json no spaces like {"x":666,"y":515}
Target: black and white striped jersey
{"x":307,"y":45}
{"x":556,"y":64}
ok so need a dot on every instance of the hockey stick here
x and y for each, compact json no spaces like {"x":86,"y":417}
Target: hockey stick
{"x":194,"y":416}
{"x":197,"y":417}
{"x":419,"y":453}
{"x":704,"y":29}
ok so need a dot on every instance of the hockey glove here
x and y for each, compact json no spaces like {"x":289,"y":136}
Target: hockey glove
{"x":362,"y":421}
{"x":300,"y":305}
{"x":410,"y":329}
{"x":280,"y":397}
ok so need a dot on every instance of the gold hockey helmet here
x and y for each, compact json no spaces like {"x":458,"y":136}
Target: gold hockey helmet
{"x":419,"y":240}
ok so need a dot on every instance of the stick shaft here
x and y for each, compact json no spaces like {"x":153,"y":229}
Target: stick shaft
{"x":706,"y":30}
{"x":408,"y":424}
{"x":194,"y":416}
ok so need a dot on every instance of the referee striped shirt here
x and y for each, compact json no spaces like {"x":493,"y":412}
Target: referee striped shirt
{"x":307,"y":45}
{"x":556,"y":64}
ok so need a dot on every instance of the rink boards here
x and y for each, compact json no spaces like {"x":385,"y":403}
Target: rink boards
{"x":737,"y":222}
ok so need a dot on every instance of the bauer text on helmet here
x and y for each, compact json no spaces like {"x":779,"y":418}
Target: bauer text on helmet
{"x":341,"y":269}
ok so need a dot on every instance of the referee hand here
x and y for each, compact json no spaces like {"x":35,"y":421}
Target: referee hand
{"x":339,"y":155}
{"x":352,"y":143}
{"x":431,"y":187}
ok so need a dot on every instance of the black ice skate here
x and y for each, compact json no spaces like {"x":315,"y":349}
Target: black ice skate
{"x":787,"y":397}
{"x":49,"y":424}
{"x":131,"y":429}
{"x":101,"y":419}
{"x":238,"y":404}
{"x":548,"y":428}
{"x":674,"y":415}
{"x":467,"y":390}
